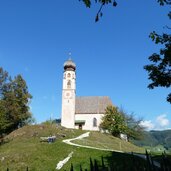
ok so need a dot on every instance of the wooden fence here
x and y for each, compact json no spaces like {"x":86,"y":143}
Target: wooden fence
{"x":148,"y":164}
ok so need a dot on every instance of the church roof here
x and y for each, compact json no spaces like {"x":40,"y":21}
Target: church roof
{"x":91,"y":104}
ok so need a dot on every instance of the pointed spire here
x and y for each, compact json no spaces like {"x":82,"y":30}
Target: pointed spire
{"x":69,"y":54}
{"x":69,"y":64}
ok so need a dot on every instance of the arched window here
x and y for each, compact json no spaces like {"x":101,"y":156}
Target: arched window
{"x":72,"y":76}
{"x":94,"y":122}
{"x":69,"y":84}
{"x":68,"y":75}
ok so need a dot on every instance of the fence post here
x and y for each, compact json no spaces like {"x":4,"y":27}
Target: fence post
{"x":103,"y":165}
{"x":81,"y":168}
{"x":95,"y":165}
{"x":71,"y":169}
{"x":91,"y":165}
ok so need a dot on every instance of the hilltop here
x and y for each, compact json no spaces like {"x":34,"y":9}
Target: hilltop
{"x":23,"y":148}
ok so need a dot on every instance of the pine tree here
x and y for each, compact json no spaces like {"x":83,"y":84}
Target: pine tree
{"x":14,"y":102}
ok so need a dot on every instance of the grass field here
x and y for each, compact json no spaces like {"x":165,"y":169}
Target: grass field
{"x":23,"y":148}
{"x":107,"y":141}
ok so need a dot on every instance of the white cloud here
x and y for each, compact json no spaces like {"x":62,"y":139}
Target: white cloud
{"x":159,"y":123}
{"x":147,"y":124}
{"x":162,"y":120}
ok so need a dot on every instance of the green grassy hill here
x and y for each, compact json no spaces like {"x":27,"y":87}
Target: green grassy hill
{"x":106,"y":141}
{"x":23,"y":148}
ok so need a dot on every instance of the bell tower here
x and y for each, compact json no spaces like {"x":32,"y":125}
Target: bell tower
{"x":68,"y":95}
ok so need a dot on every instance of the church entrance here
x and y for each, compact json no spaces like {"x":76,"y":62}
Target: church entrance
{"x":80,"y":126}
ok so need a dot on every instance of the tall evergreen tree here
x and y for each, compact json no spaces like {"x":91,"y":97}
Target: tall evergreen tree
{"x":4,"y":122}
{"x":14,"y":102}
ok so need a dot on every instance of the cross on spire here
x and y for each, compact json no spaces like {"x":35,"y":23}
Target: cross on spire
{"x":69,"y":55}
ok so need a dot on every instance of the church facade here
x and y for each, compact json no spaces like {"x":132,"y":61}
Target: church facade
{"x":84,"y":112}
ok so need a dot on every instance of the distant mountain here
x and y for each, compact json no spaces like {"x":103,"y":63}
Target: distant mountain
{"x":154,"y":138}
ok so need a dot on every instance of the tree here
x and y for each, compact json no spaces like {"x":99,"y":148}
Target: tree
{"x":159,"y":72}
{"x":113,"y":121}
{"x":14,"y":102}
{"x":4,"y":121}
{"x":116,"y":121}
{"x":134,"y":128}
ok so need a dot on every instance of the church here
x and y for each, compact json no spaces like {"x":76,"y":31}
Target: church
{"x":84,"y":112}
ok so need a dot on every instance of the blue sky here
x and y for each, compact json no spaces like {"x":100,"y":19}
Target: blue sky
{"x":36,"y":37}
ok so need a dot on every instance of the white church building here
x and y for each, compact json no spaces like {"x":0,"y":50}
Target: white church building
{"x":84,"y":112}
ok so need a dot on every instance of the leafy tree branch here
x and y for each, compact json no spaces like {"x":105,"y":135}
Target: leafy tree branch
{"x":159,"y":72}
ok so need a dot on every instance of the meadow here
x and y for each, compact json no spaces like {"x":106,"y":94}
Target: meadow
{"x":23,"y":149}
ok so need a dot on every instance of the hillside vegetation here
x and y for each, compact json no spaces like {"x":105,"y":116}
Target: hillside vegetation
{"x":156,"y":138}
{"x":23,"y":148}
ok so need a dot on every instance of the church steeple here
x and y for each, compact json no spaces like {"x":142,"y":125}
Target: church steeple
{"x":68,"y":94}
{"x":69,"y":65}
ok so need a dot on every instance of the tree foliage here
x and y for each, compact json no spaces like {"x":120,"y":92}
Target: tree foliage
{"x":159,"y":72}
{"x":113,"y":121}
{"x":116,"y":121}
{"x":134,"y":128}
{"x":14,"y":100}
{"x":102,"y":4}
{"x":114,"y":3}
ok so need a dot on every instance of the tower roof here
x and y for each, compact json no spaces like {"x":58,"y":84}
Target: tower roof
{"x":69,"y":65}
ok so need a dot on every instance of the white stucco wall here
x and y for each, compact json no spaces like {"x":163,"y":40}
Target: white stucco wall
{"x":68,"y":110}
{"x":72,"y":78}
{"x":68,"y":100}
{"x":89,"y":121}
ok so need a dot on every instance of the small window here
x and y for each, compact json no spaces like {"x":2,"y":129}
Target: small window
{"x":69,"y":84}
{"x":68,"y":75}
{"x":73,"y":76}
{"x":94,"y":122}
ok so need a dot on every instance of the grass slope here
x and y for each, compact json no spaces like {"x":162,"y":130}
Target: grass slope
{"x":106,"y":141}
{"x":23,"y":148}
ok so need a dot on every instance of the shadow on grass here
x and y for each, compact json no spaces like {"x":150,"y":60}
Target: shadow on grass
{"x":129,"y":162}
{"x":126,"y":162}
